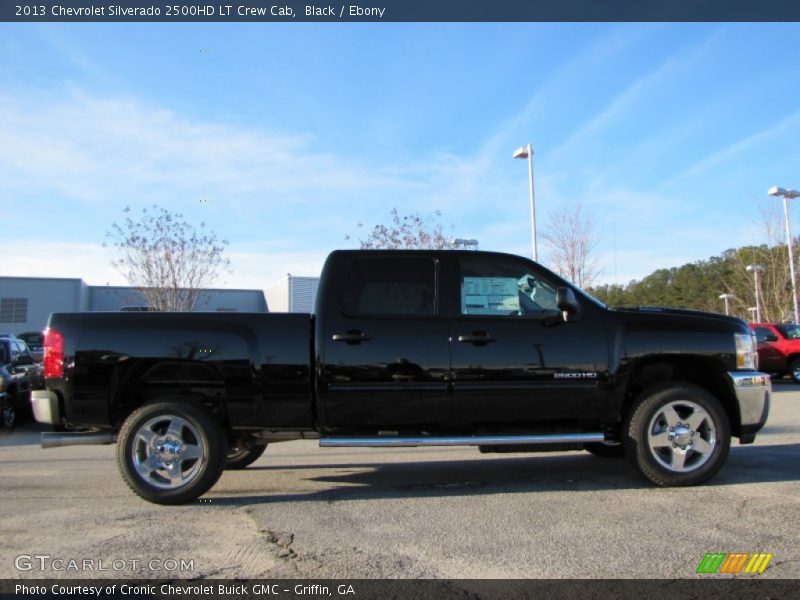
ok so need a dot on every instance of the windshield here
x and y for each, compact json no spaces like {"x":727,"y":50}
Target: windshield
{"x":790,"y":332}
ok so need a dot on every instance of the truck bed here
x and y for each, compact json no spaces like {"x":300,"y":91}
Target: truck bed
{"x":257,"y":365}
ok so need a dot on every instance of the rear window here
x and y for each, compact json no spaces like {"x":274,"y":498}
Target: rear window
{"x":390,"y":286}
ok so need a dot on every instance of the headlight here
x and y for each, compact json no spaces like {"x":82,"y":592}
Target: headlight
{"x":746,"y":355}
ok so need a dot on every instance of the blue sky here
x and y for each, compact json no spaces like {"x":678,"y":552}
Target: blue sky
{"x":282,"y":137}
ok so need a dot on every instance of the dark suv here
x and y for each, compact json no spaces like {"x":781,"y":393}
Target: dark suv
{"x":35,"y":342}
{"x":18,"y":374}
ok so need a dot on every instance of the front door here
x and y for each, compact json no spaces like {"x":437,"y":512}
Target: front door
{"x":515,"y":361}
{"x":770,"y":358}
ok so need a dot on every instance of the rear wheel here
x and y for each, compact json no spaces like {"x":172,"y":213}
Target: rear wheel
{"x":171,"y":452}
{"x":677,"y":435}
{"x":794,"y":370}
{"x":606,"y":449}
{"x":239,"y":458}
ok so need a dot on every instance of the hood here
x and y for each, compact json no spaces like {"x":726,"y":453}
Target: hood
{"x":682,"y":312}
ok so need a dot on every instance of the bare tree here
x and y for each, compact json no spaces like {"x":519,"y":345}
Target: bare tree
{"x":570,"y":237}
{"x":169,"y":260}
{"x":775,"y":290}
{"x":407,"y":231}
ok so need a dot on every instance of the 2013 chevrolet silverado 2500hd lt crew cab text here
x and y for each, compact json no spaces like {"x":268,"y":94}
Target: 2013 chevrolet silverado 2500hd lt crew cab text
{"x":405,"y":348}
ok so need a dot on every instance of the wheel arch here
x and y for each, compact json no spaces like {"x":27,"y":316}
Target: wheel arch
{"x":701,"y":371}
{"x":167,"y":380}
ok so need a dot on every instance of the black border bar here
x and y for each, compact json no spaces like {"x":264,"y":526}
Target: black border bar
{"x":399,"y":10}
{"x":705,"y":588}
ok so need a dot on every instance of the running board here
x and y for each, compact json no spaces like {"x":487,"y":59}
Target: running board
{"x":472,"y":440}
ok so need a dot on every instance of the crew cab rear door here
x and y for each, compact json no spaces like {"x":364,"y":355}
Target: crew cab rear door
{"x":386,"y":345}
{"x":515,"y":361}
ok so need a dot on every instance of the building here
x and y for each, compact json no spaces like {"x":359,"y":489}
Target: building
{"x":27,"y":302}
{"x":293,"y":294}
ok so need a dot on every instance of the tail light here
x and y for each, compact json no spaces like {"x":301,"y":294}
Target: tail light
{"x":53,"y":354}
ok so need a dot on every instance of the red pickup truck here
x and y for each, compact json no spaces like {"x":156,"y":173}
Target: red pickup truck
{"x":778,"y":348}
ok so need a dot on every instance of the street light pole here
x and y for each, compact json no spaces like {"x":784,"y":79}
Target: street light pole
{"x":788,"y":195}
{"x":726,"y":298}
{"x":527,"y":152}
{"x":755,"y":270}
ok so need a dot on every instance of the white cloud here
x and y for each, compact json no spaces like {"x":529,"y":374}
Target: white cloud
{"x":51,"y":258}
{"x":733,"y":150}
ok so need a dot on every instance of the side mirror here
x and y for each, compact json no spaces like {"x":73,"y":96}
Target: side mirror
{"x":567,"y":303}
{"x":771,"y":338}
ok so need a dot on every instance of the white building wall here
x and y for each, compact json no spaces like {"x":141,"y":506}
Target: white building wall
{"x":278,"y":295}
{"x":302,"y":293}
{"x":292,"y":294}
{"x":35,"y":298}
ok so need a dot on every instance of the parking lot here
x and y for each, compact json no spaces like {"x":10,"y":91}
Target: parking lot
{"x":302,"y":511}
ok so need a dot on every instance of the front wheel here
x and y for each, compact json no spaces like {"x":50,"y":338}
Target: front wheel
{"x":171,"y":452}
{"x":8,"y":412}
{"x":677,"y":435}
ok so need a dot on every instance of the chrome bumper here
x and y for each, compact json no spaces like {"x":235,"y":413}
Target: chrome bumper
{"x":45,"y":407}
{"x":753,"y":391}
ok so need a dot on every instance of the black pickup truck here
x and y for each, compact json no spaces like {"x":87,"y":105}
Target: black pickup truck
{"x":405,"y":348}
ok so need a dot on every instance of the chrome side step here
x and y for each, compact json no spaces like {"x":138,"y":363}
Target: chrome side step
{"x":90,"y":438}
{"x":472,"y":440}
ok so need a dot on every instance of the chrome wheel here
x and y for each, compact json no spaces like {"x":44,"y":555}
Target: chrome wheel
{"x":681,"y":436}
{"x":168,"y":452}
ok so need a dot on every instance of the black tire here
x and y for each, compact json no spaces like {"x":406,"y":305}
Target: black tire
{"x":242,"y":458}
{"x":171,"y":452}
{"x":700,"y":435}
{"x":8,"y":412}
{"x":606,"y":450}
{"x":794,"y":370}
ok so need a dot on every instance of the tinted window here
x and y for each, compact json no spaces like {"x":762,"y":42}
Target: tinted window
{"x":390,"y":286}
{"x":3,"y":354}
{"x":762,"y":333}
{"x":790,"y":332}
{"x":498,"y":287}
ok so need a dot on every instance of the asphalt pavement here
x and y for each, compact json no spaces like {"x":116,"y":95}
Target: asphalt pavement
{"x":306,"y":512}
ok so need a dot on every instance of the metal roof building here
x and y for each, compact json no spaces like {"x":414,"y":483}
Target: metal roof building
{"x":27,"y":302}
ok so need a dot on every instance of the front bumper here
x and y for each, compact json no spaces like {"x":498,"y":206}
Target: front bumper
{"x":753,"y":391}
{"x":45,"y":407}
